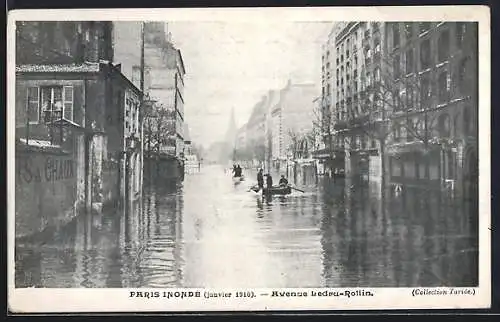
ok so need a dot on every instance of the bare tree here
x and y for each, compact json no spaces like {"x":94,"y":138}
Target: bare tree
{"x":159,"y":132}
{"x":395,"y":103}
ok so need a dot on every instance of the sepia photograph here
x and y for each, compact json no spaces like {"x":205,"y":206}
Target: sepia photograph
{"x":257,"y":160}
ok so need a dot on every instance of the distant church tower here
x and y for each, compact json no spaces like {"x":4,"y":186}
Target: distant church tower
{"x":231,"y":130}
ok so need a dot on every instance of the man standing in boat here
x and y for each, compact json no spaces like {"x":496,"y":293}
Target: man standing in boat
{"x":260,"y":179}
{"x":269,"y":181}
{"x":283,"y":181}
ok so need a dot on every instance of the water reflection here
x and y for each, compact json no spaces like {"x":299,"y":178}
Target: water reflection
{"x":211,"y":233}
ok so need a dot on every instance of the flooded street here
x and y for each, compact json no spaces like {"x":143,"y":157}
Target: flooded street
{"x":209,"y":232}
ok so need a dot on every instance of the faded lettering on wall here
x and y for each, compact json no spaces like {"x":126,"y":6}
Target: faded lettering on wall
{"x":52,"y":169}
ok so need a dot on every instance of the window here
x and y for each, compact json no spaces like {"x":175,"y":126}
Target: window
{"x":409,"y":30}
{"x":377,"y":46}
{"x":412,"y":126}
{"x":368,"y":52}
{"x":395,"y":35}
{"x":356,"y":60}
{"x":341,"y":58}
{"x":410,"y":97}
{"x":468,"y":122}
{"x":425,"y":54}
{"x":443,"y":87}
{"x":68,"y":103}
{"x":444,"y":46}
{"x":337,"y":73}
{"x":444,"y":125}
{"x":33,"y":104}
{"x":57,"y":103}
{"x":397,"y":133}
{"x":424,"y":27}
{"x":355,"y":74}
{"x":377,"y":74}
{"x":397,"y":66}
{"x":52,"y":103}
{"x":460,"y":33}
{"x":463,"y":77}
{"x":409,"y":61}
{"x":425,"y":90}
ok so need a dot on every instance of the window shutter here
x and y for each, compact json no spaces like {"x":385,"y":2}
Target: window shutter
{"x":78,"y":104}
{"x":68,"y":103}
{"x":33,"y":104}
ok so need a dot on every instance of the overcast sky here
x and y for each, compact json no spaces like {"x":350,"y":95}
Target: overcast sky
{"x":231,"y":65}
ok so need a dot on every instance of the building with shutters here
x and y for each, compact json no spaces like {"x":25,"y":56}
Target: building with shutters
{"x":435,"y":132}
{"x":401,"y":98}
{"x":78,"y":121}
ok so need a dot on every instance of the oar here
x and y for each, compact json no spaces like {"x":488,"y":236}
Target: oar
{"x":296,"y":189}
{"x":251,"y":188}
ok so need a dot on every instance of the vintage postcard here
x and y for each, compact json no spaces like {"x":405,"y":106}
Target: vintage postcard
{"x":259,"y":159}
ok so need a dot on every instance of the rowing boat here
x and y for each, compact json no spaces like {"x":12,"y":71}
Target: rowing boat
{"x":275,"y":190}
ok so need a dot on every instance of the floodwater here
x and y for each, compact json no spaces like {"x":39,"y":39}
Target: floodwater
{"x":209,"y":232}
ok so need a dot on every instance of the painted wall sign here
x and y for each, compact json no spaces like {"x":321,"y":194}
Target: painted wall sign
{"x":45,"y":169}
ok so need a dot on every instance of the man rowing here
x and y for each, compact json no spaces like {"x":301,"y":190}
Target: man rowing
{"x":283,"y":181}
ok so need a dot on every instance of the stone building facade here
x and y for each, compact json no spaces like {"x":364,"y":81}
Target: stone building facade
{"x":71,"y":119}
{"x":402,"y":100}
{"x":435,"y":133}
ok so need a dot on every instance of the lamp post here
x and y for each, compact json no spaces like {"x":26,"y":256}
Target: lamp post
{"x":130,"y":148}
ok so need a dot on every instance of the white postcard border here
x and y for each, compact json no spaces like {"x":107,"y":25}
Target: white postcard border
{"x":119,"y":300}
